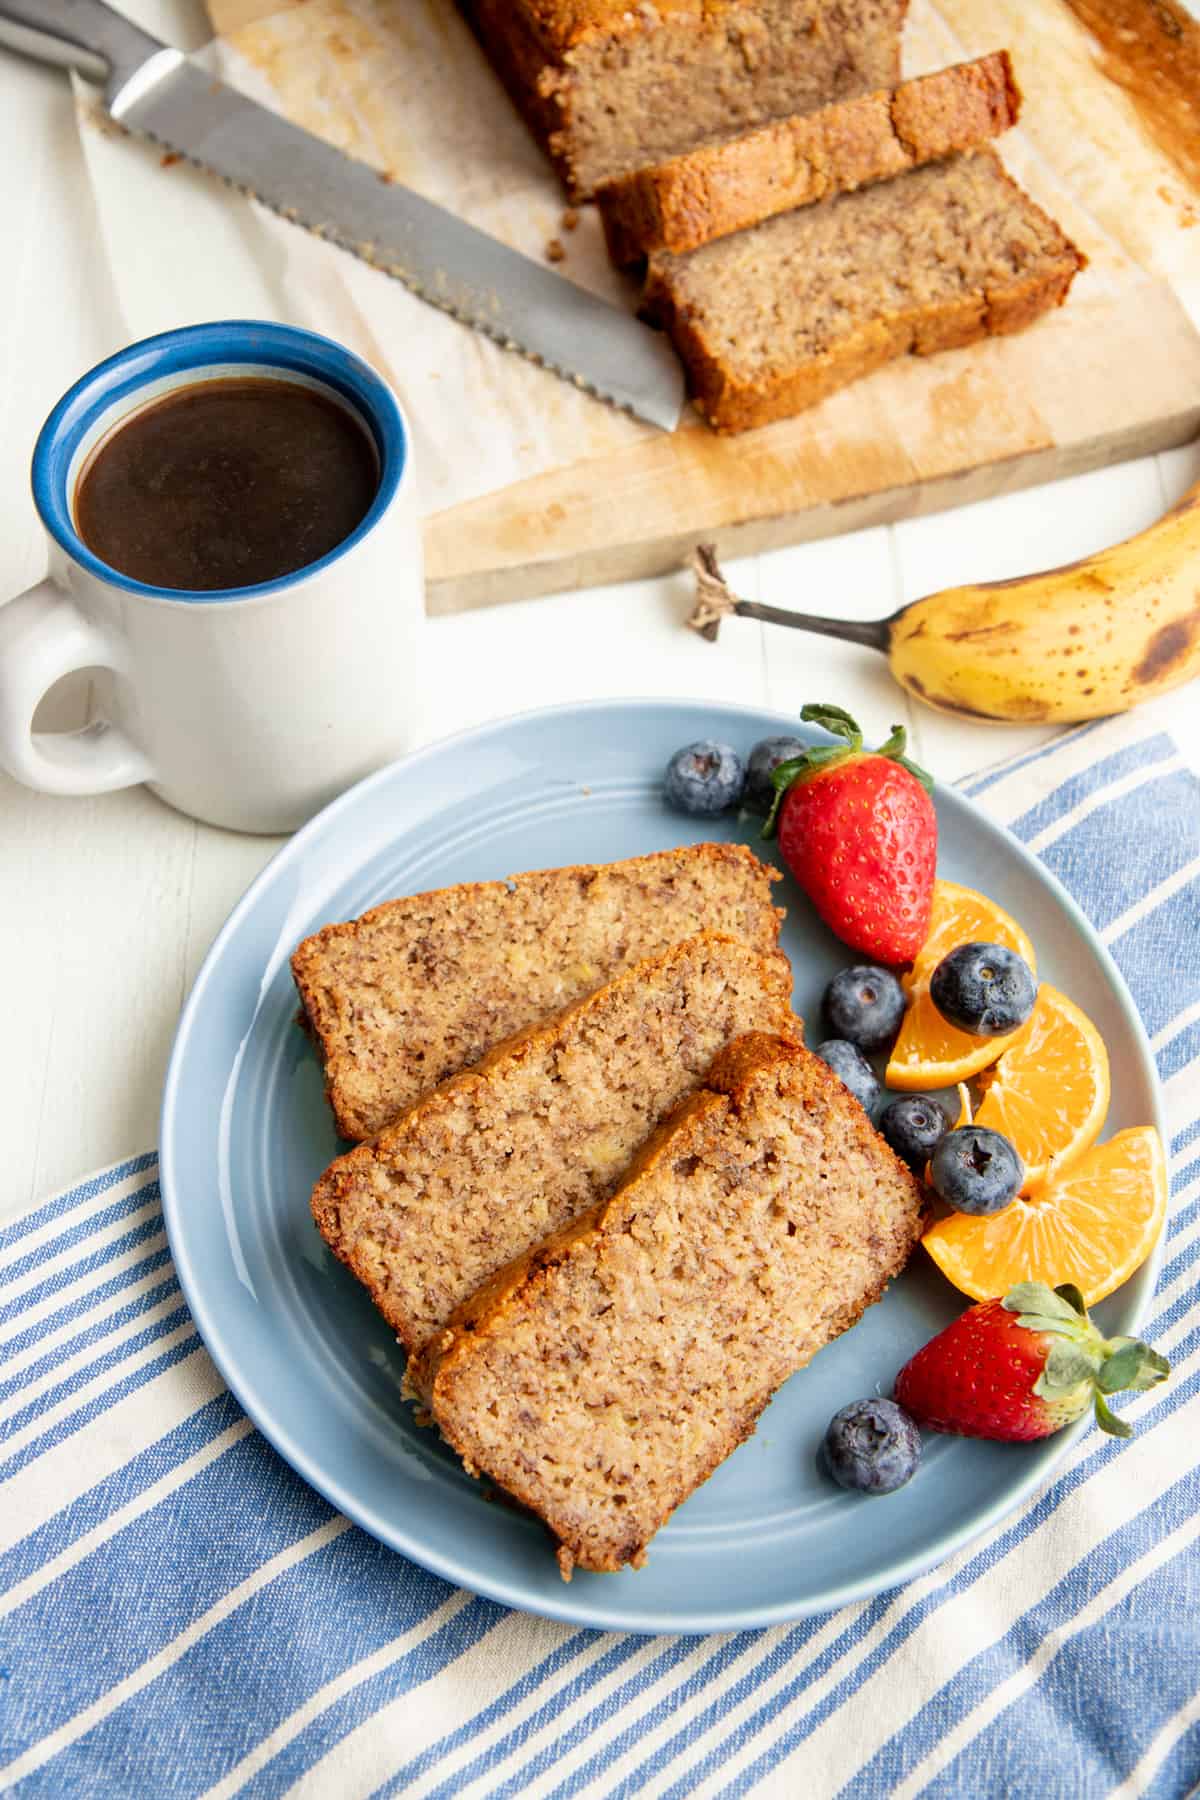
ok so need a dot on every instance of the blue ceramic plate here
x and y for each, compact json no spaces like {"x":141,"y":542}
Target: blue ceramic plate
{"x":245,"y":1132}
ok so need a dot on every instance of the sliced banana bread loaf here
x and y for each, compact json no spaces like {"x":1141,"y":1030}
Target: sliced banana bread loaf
{"x":604,"y":1376}
{"x":489,"y":1163}
{"x":421,"y":987}
{"x":773,"y":319}
{"x":606,"y":86}
{"x":739,"y":179}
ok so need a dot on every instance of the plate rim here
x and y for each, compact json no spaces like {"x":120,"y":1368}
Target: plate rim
{"x":1044,"y":1460}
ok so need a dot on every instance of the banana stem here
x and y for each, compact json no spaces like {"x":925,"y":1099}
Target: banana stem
{"x":871,"y":632}
{"x":715,"y":600}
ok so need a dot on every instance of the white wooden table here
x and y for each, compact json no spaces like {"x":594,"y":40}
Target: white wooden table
{"x":107,"y":906}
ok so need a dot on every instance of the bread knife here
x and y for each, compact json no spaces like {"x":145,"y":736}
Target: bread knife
{"x":155,"y":91}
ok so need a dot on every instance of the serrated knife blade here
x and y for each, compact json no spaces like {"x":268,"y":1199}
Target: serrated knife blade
{"x":155,"y":91}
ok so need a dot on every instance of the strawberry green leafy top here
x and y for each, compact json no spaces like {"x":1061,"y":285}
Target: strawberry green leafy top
{"x":822,"y":757}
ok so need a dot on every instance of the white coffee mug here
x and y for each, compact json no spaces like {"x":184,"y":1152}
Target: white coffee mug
{"x":248,"y":707}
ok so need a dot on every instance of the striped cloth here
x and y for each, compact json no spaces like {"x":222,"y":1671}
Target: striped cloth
{"x":183,"y":1616}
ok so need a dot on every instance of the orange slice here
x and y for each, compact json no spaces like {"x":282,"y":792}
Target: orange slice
{"x":1049,"y":1091}
{"x":1092,"y":1223}
{"x":929,"y":1052}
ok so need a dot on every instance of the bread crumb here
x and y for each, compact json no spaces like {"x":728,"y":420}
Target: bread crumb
{"x":555,"y":251}
{"x":570,"y":219}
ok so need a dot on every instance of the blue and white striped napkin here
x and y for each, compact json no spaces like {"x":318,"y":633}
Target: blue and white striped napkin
{"x":181,"y":1615}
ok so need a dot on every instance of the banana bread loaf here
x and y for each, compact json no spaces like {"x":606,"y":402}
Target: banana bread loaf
{"x":605,"y":1375}
{"x":771,"y":320}
{"x":606,"y":86}
{"x":737,"y":180}
{"x":421,"y":987}
{"x":489,"y":1163}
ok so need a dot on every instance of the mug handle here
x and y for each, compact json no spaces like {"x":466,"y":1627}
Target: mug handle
{"x":44,"y":636}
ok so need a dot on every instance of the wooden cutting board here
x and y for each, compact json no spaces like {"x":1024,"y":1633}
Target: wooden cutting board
{"x":1115,"y":373}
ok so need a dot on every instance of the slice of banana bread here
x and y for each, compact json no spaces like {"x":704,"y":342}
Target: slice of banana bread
{"x":494,"y":1159}
{"x":739,"y":179}
{"x":606,"y":86}
{"x":771,"y":320}
{"x":421,"y":987}
{"x":605,"y":1375}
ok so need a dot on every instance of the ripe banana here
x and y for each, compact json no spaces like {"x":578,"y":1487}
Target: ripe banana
{"x":1093,"y":637}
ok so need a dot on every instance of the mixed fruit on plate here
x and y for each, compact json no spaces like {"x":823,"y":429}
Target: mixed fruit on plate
{"x":1032,"y":1217}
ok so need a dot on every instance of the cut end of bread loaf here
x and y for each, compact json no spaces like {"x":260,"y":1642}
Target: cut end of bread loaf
{"x":604,"y":1376}
{"x":491,"y":1162}
{"x":736,"y":180}
{"x":422,"y":987}
{"x":607,"y":87}
{"x":772,"y":320}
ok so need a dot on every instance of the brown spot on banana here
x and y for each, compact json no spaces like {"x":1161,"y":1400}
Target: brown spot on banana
{"x":972,"y":633}
{"x":1026,"y":707}
{"x":1171,"y":645}
{"x":1083,"y":566}
{"x":1186,"y":504}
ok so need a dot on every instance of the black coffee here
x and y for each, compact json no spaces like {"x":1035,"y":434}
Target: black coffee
{"x":226,"y":484}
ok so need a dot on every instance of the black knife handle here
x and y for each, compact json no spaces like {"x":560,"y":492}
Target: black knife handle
{"x":77,"y":34}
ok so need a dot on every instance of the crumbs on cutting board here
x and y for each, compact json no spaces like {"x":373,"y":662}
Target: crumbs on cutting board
{"x":1187,"y":213}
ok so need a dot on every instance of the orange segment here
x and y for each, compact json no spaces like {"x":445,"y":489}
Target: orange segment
{"x":1093,"y":1223}
{"x":929,"y":1053}
{"x":1049,"y":1091}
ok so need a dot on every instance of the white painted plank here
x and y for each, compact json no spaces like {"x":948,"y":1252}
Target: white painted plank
{"x":851,"y":577}
{"x":627,"y":640}
{"x":1178,"y":469}
{"x":59,"y":317}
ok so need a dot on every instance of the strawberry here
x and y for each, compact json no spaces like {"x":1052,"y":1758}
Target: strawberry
{"x":858,"y":831}
{"x":1023,"y":1367}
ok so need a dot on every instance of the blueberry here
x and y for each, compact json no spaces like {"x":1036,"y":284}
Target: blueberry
{"x":764,"y":759}
{"x":914,"y":1126}
{"x":872,"y":1445}
{"x":851,"y":1066}
{"x":865,"y":1005}
{"x":985,"y":989}
{"x":704,"y":779}
{"x":975,"y":1170}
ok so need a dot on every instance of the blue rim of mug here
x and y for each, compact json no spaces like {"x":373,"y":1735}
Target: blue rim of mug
{"x":229,"y":342}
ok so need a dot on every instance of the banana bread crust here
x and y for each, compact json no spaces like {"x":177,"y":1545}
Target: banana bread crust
{"x":756,"y":1261}
{"x":883,"y":234}
{"x":496,"y":1158}
{"x":737,"y":181}
{"x":418,"y":988}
